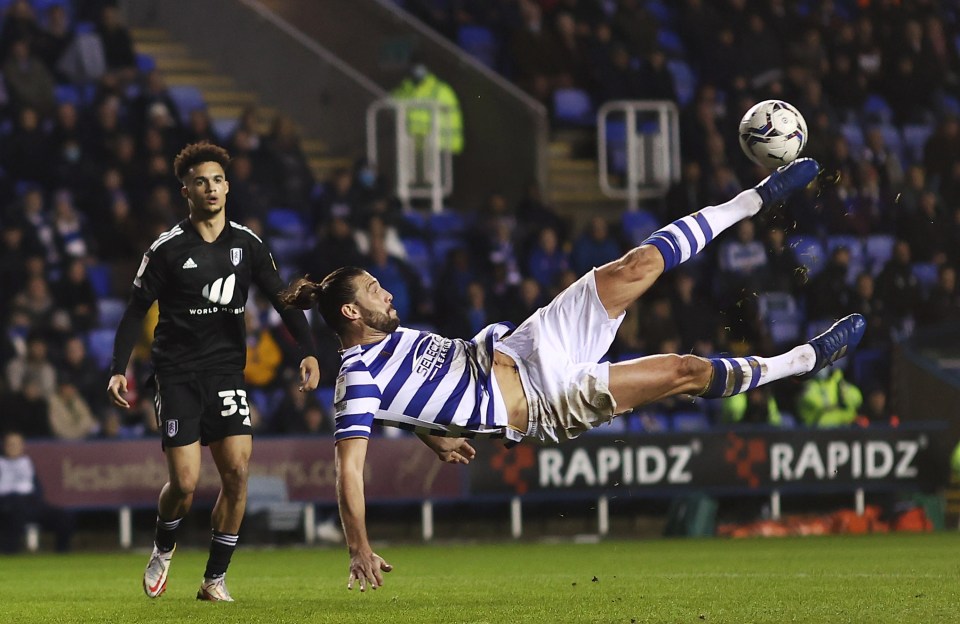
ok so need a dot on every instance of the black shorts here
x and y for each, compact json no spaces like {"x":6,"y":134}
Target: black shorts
{"x":201,"y":407}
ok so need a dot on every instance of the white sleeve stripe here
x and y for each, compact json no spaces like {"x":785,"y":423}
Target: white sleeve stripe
{"x":353,"y":428}
{"x":245,"y":229}
{"x":165,"y":237}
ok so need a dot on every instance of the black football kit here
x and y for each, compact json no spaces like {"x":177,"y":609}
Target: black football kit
{"x":199,"y":346}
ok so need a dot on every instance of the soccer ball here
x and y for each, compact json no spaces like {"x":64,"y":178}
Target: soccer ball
{"x":772,"y":133}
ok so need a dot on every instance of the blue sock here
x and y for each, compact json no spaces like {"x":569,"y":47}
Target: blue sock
{"x":686,"y":237}
{"x":735,"y":375}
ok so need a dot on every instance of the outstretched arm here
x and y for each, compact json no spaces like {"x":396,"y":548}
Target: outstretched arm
{"x":449,"y":450}
{"x":365,"y":565}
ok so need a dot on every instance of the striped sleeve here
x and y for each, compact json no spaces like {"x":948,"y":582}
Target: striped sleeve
{"x":356,"y":400}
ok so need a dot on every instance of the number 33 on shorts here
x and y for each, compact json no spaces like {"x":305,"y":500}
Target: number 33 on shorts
{"x":234,"y":401}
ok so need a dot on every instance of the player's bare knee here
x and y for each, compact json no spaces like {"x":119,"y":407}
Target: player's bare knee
{"x":184,"y":484}
{"x":234,"y":479}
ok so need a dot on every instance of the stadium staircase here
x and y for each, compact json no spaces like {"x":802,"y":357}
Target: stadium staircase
{"x":225,"y":101}
{"x":572,"y":174}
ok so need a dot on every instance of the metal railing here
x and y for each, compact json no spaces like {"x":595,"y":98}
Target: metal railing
{"x":424,"y":168}
{"x":645,"y":154}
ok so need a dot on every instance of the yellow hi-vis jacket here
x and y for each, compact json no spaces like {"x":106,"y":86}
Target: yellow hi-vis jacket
{"x":419,"y":119}
{"x":830,"y":402}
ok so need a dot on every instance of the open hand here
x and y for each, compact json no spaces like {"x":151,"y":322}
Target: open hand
{"x":366,"y":568}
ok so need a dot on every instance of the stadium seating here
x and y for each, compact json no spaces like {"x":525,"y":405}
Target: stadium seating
{"x":853,"y":133}
{"x":188,"y":99}
{"x":100,"y":346}
{"x":100,"y":278}
{"x":782,"y":317}
{"x":914,"y":139}
{"x":646,"y":422}
{"x":288,"y":234}
{"x":926,"y":274}
{"x":224,"y":128}
{"x":146,"y":63}
{"x":479,"y":42}
{"x":690,"y":421}
{"x":876,"y":109}
{"x":787,"y":420}
{"x":671,"y":43}
{"x":684,"y":80}
{"x":809,"y":252}
{"x":638,"y":225}
{"x":419,"y":257}
{"x":878,"y":249}
{"x":573,"y":107}
{"x":109,"y":311}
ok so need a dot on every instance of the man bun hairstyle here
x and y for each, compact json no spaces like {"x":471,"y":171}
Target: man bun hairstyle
{"x":329,"y":295}
{"x":197,"y":153}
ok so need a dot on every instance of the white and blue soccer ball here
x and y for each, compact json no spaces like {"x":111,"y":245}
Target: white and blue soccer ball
{"x":773,"y":133}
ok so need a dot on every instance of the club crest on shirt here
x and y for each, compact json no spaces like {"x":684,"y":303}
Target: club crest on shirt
{"x":172,"y":428}
{"x":236,"y":255}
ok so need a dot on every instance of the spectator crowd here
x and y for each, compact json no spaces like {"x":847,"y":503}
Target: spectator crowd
{"x":86,"y":185}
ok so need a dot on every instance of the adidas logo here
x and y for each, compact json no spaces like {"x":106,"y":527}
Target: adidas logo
{"x":246,"y":421}
{"x":189,"y":264}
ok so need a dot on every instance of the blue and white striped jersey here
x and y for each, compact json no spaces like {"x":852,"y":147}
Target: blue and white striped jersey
{"x":421,"y":381}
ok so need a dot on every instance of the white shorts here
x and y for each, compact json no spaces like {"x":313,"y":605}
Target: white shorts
{"x":557,"y":351}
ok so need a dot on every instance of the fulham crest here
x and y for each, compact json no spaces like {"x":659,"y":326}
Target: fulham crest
{"x":172,"y":428}
{"x":236,"y":255}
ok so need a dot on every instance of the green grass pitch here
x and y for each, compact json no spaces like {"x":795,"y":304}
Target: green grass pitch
{"x":881,"y":578}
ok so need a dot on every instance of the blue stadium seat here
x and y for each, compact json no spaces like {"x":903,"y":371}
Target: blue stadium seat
{"x":869,"y":366}
{"x":782,"y":316}
{"x":892,"y":139}
{"x":285,"y":222}
{"x":638,"y":225}
{"x":914,"y":139}
{"x":479,"y":42}
{"x":690,"y":421}
{"x":101,"y":279}
{"x":573,"y":107}
{"x":418,"y":256}
{"x":926,"y":274}
{"x":100,"y":345}
{"x":441,"y":247}
{"x":684,"y":80}
{"x":447,"y":223}
{"x":809,"y":252}
{"x":224,"y":128}
{"x":287,"y":234}
{"x":187,"y":98}
{"x":670,"y":42}
{"x":109,"y":311}
{"x":662,"y":12}
{"x":325,"y":397}
{"x":876,"y":109}
{"x":787,"y":420}
{"x":646,"y":422}
{"x":616,"y":135}
{"x":878,"y":249}
{"x":858,"y":262}
{"x":950,"y":104}
{"x":612,"y":427}
{"x":84,"y":28}
{"x":145,"y":63}
{"x":68,"y":93}
{"x":853,"y":133}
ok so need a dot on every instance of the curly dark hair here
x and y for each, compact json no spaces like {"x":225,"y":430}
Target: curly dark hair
{"x":197,"y":153}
